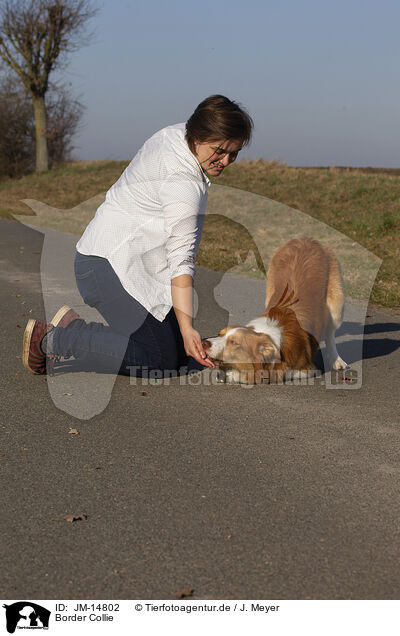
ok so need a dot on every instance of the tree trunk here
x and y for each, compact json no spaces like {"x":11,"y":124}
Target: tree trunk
{"x":42,"y":158}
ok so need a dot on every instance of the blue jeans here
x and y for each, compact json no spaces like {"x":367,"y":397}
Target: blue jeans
{"x":134,"y":338}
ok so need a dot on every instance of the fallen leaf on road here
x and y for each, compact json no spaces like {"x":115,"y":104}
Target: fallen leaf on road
{"x":73,"y":431}
{"x":186,"y":593}
{"x":72,"y":518}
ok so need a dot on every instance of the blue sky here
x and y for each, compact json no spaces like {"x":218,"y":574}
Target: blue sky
{"x":320,"y":79}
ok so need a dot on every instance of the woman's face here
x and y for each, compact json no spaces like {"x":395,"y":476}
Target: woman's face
{"x":214,"y":156}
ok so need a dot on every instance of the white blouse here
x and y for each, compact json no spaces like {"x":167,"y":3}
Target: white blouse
{"x":150,"y":224}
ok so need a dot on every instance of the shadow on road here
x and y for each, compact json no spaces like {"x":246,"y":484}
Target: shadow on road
{"x":356,"y":328}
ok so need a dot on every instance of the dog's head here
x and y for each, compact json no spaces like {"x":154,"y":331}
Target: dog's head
{"x":242,"y":349}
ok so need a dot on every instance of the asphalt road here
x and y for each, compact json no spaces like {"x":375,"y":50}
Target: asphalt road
{"x":273,"y":492}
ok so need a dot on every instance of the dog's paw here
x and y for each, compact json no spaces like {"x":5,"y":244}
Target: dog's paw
{"x":340,"y":364}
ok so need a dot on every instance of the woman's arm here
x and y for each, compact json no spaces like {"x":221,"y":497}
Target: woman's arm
{"x":182,"y":300}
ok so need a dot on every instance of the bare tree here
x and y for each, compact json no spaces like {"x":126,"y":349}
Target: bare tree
{"x":35,"y":36}
{"x":64,"y":116}
{"x":17,"y":132}
{"x":17,"y":126}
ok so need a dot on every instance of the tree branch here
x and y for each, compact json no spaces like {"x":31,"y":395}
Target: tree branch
{"x":8,"y":58}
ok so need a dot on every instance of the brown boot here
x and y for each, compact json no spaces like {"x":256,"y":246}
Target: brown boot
{"x":64,"y":317}
{"x":33,"y":358}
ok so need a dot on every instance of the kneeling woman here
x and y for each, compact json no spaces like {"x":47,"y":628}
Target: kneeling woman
{"x":135,"y":260}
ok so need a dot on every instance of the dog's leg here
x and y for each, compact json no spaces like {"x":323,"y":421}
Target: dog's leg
{"x":335,"y":307}
{"x":335,"y":361}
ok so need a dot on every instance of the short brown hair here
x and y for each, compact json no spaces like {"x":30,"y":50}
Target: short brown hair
{"x":218,"y":118}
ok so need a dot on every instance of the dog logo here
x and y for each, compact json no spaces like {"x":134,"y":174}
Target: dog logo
{"x":26,"y":615}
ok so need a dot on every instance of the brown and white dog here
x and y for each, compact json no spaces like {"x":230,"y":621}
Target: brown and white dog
{"x":304,"y":305}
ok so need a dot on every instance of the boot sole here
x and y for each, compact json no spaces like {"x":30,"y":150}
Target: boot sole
{"x":60,"y":315}
{"x":27,"y":344}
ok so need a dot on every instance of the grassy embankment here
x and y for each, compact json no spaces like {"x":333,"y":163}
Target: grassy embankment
{"x":362,"y":204}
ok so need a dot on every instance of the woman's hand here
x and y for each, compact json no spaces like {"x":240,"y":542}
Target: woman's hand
{"x":182,"y":294}
{"x":194,"y":348}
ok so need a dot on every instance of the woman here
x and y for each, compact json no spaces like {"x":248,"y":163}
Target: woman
{"x":135,"y":260}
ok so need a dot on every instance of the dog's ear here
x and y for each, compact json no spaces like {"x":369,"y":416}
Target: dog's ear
{"x":225,"y":329}
{"x":268,"y":351}
{"x":223,"y":332}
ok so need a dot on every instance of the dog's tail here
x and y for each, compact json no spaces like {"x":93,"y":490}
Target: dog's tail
{"x":286,"y":300}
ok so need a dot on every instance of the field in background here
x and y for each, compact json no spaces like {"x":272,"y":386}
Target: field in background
{"x":363,"y":204}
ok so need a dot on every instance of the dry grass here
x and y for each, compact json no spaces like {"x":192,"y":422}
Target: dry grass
{"x":64,"y":187}
{"x":363,"y":205}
